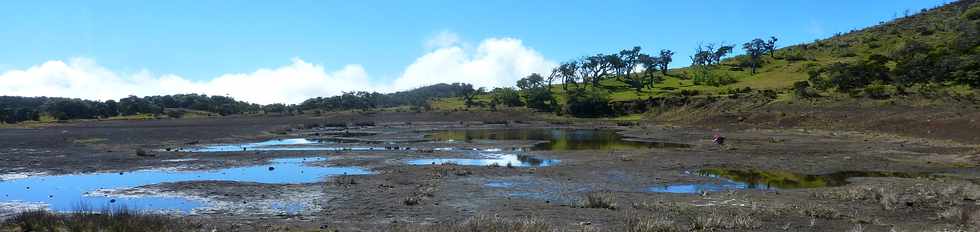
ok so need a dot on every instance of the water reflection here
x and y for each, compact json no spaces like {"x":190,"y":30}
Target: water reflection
{"x":66,"y":192}
{"x":490,"y":160}
{"x":791,"y":180}
{"x":734,"y":179}
{"x":556,"y":139}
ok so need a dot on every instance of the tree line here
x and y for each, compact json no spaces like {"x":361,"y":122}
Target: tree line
{"x":418,"y":98}
{"x":582,"y":79}
{"x":15,"y":109}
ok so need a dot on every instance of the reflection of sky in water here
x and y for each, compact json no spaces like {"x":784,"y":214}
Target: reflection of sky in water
{"x":66,"y":192}
{"x":259,"y":146}
{"x":489,"y":159}
{"x":705,"y":187}
{"x":499,"y":184}
{"x":724,"y":185}
{"x":301,"y":144}
{"x":557,"y":138}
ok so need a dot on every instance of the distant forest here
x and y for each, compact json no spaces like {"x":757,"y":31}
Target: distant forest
{"x":15,"y":109}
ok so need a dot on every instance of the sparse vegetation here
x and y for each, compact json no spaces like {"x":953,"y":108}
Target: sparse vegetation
{"x":649,"y":223}
{"x":111,"y":219}
{"x":728,"y":221}
{"x":599,"y":200}
{"x":484,"y":223}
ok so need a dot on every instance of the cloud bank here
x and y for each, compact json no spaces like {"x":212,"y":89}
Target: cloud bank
{"x":495,"y":62}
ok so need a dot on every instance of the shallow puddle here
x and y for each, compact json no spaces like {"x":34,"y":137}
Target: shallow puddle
{"x":489,"y":160}
{"x":68,"y":192}
{"x":276,"y":144}
{"x":557,"y":139}
{"x":733,"y":179}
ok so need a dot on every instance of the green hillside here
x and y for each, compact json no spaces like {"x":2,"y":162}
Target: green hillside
{"x":944,"y":39}
{"x":933,"y":51}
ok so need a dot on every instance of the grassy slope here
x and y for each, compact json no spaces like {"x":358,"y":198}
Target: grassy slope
{"x":935,"y":26}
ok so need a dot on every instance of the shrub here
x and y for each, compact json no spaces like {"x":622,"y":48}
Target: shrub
{"x":877,"y":91}
{"x":588,"y":102}
{"x":175,"y":113}
{"x":738,"y":90}
{"x":846,"y":77}
{"x":972,"y":14}
{"x":598,"y":201}
{"x":796,"y":56}
{"x":114,"y":219}
{"x":507,"y":96}
{"x":968,"y":71}
{"x":802,"y":89}
{"x":540,"y":99}
{"x":771,"y":94}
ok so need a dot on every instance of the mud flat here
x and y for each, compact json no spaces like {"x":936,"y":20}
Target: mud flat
{"x":419,"y":170}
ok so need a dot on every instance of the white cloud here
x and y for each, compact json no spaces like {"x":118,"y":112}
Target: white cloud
{"x":83,"y":78}
{"x":292,"y":83}
{"x":495,"y":62}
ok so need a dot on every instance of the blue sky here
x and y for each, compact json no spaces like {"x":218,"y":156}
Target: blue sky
{"x":201,"y":40}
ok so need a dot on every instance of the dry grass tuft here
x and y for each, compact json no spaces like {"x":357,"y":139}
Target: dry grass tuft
{"x":814,"y":210}
{"x":649,"y":223}
{"x":599,"y":201}
{"x":484,"y":223}
{"x":724,"y":221}
{"x":111,"y":219}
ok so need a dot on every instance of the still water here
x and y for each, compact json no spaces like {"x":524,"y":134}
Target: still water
{"x":733,"y":179}
{"x":555,"y":139}
{"x":67,"y":192}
